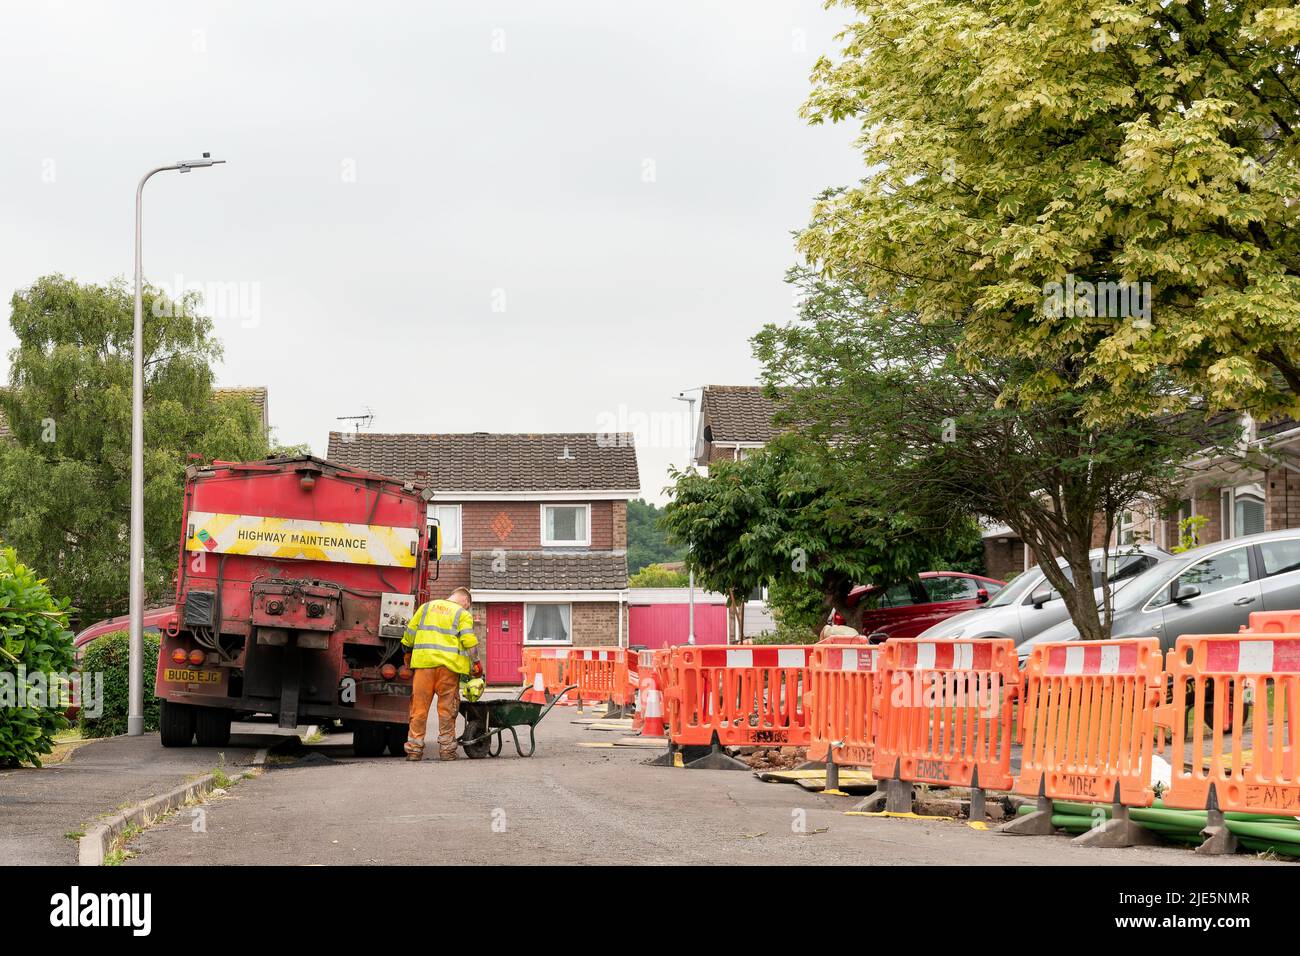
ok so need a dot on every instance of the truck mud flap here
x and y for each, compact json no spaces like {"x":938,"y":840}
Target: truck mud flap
{"x":290,"y":681}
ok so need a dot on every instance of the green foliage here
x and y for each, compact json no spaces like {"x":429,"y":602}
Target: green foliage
{"x":647,"y":541}
{"x":34,"y":635}
{"x":1010,"y":144}
{"x":110,"y":655}
{"x":1189,"y":532}
{"x":657,"y":576}
{"x":800,"y":611}
{"x":798,"y":514}
{"x":65,"y":476}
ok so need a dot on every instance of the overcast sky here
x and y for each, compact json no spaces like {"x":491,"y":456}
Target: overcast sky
{"x":530,"y":216}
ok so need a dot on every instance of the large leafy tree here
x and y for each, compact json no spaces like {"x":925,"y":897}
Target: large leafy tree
{"x":65,"y":471}
{"x":1013,"y":144}
{"x":798,"y":515}
{"x":891,"y":394}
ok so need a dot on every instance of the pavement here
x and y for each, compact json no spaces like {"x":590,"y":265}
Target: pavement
{"x":39,"y":807}
{"x":571,"y":804}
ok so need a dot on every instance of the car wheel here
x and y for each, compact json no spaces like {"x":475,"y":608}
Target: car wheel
{"x":176,"y":724}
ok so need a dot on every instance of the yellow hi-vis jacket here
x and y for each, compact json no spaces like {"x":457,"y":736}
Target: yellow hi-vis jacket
{"x":440,"y":634}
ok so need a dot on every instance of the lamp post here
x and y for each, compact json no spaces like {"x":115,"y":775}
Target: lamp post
{"x":690,"y":461}
{"x":135,"y":711}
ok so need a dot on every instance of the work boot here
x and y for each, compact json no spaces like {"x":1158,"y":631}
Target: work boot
{"x":414,"y":751}
{"x":448,"y":755}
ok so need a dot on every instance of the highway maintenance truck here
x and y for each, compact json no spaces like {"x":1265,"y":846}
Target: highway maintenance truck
{"x":296,"y":580}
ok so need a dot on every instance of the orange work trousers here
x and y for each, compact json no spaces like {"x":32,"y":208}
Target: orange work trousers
{"x":426,"y":683}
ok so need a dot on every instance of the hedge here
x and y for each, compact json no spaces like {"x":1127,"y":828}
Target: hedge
{"x":110,"y":655}
{"x":34,"y":635}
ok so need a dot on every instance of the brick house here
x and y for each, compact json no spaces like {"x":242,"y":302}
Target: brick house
{"x":534,"y":525}
{"x":734,"y":421}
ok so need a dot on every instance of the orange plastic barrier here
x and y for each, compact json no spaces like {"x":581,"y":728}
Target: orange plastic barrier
{"x":842,"y":703}
{"x":544,"y":670}
{"x":1218,"y":675}
{"x":601,"y":675}
{"x":1087,"y":720}
{"x":1273,"y":622}
{"x":746,"y":695}
{"x":945,"y":711}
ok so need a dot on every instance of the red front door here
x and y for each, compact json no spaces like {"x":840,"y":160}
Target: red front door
{"x":505,"y":643}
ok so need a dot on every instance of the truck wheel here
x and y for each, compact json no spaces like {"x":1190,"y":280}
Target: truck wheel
{"x":212,"y":727}
{"x":175,"y":724}
{"x":368,"y":739}
{"x":396,"y":737}
{"x":478,"y":751}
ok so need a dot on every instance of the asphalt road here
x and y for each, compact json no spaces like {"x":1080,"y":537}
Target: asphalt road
{"x":569,"y":804}
{"x":39,"y":807}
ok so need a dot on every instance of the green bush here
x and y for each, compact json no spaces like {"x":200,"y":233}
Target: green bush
{"x":110,"y":655}
{"x":34,"y":635}
{"x":657,"y":576}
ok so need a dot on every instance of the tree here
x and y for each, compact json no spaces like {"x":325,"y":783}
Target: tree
{"x":647,"y":541}
{"x":893,"y":394}
{"x":797,"y":514}
{"x":657,"y":576}
{"x":65,"y":475}
{"x":1031,"y":160}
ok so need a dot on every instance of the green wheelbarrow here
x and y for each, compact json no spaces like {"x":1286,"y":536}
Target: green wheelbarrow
{"x":486,"y":722}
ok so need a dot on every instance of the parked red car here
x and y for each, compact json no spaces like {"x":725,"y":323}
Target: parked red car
{"x":155,"y":620}
{"x":905,"y":610}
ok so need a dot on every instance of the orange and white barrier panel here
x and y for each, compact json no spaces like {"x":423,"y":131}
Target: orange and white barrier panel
{"x":649,"y":717}
{"x":601,"y":675}
{"x":945,"y":712}
{"x":1087,"y":720}
{"x":744,"y":695}
{"x":844,"y":698}
{"x":1219,"y":676}
{"x":544,"y":670}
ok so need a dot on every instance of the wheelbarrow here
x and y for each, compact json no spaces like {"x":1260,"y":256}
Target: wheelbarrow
{"x":486,"y":722}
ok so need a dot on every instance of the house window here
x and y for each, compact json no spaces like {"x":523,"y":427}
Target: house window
{"x":1127,"y":528}
{"x":548,"y":623}
{"x":448,"y":517}
{"x":566,"y":525}
{"x":1242,"y":511}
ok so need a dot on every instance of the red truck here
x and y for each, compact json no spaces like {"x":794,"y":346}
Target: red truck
{"x":295,"y":583}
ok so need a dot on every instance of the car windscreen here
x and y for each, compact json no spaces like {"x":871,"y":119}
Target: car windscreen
{"x":1137,"y":590}
{"x":1017,"y":589}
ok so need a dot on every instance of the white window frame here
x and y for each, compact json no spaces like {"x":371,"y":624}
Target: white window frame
{"x":565,"y":544}
{"x":527,"y":643}
{"x":1228,"y":507}
{"x":431,"y":512}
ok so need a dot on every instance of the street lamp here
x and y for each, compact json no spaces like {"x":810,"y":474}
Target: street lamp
{"x":690,"y":460}
{"x":135,"y":711}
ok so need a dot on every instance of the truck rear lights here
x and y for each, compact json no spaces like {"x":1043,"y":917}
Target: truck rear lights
{"x":404,"y":672}
{"x":179,"y":656}
{"x":389,"y":671}
{"x":196,"y":657}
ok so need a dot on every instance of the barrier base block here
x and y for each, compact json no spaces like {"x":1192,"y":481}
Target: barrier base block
{"x":616,"y":710}
{"x":1218,"y":841}
{"x":1118,"y":831}
{"x":717,"y":759}
{"x":1038,"y":823}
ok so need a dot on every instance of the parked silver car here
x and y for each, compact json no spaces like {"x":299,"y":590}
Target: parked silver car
{"x":1207,"y":590}
{"x":1029,"y":605}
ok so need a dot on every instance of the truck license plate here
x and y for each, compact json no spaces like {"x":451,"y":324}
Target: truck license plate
{"x":386,"y":687}
{"x":178,"y":676}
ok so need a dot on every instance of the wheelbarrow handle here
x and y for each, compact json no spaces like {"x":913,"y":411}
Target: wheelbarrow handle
{"x":558,"y":697}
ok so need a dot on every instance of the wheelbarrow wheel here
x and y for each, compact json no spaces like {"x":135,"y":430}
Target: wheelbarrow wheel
{"x":476,"y":728}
